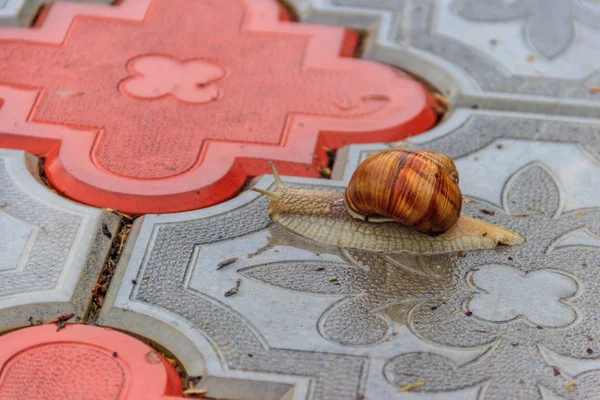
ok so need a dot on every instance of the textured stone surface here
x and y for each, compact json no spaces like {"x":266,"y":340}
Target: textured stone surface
{"x":198,"y":94}
{"x":51,"y":249}
{"x":534,"y":55}
{"x":84,"y":363}
{"x":23,"y":12}
{"x":492,"y":324}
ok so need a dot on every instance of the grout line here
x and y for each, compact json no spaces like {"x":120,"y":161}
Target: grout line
{"x":108,"y":269}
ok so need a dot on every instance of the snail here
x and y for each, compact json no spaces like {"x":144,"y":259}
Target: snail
{"x":396,"y":201}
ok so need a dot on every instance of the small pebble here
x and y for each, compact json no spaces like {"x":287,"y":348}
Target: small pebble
{"x":589,"y":351}
{"x":514,"y":343}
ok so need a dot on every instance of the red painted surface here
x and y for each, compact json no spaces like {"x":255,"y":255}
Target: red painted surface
{"x":158,"y":106}
{"x":82,"y":362}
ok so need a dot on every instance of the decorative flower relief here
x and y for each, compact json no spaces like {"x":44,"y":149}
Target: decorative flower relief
{"x":506,"y":294}
{"x":505,"y":302}
{"x":156,"y":76}
{"x":549,"y":24}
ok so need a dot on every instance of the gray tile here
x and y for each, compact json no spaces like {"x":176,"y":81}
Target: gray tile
{"x":390,"y":320}
{"x":52,"y":250}
{"x":530,"y":55}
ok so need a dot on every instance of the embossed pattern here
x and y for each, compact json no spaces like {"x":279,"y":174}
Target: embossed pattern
{"x":525,"y":55}
{"x":50,"y":247}
{"x":549,"y":24}
{"x":82,"y":362}
{"x":256,"y":310}
{"x":66,"y":361}
{"x":208,"y":90}
{"x":491,"y":324}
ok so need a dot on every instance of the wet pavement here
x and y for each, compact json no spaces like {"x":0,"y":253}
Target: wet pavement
{"x":254,"y":310}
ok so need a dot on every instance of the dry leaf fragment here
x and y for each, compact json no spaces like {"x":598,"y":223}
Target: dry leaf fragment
{"x":594,"y":90}
{"x":442,"y":101}
{"x":581,"y":214}
{"x":571,"y":385}
{"x":520,"y":215}
{"x":194,"y":392}
{"x":488,"y":212}
{"x":226,"y":262}
{"x":234,"y":289}
{"x":531,"y":58}
{"x":412,"y":386}
{"x":468,"y":201}
{"x":70,"y":93}
{"x":325,"y":172}
{"x":62,"y":318}
{"x":378,"y":97}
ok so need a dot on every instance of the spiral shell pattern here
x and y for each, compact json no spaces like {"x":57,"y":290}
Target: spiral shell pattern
{"x":417,"y":189}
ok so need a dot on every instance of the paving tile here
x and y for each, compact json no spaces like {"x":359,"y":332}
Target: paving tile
{"x":23,"y":12}
{"x":529,"y":55}
{"x":83,"y":362}
{"x":51,"y":249}
{"x":515,"y":322}
{"x":195,"y":117}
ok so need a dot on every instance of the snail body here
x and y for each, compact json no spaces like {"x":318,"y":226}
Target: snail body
{"x":324,"y":217}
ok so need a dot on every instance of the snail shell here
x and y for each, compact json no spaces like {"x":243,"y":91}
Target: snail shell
{"x":417,"y":189}
{"x":322,"y":216}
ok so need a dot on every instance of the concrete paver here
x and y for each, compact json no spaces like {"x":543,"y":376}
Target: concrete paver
{"x":356,"y":323}
{"x":85,"y":363}
{"x":196,"y":98}
{"x":52,"y":250}
{"x":309,"y":321}
{"x":530,"y":55}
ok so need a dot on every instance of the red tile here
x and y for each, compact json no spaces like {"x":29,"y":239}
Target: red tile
{"x":84,"y":363}
{"x":158,"y":106}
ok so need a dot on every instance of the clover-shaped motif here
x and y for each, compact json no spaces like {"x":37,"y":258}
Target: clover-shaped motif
{"x":207,"y":91}
{"x":549,"y":26}
{"x":539,"y":281}
{"x":156,"y":76}
{"x":535,"y":289}
{"x":505,"y":294}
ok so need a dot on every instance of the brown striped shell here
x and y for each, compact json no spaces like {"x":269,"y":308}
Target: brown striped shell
{"x":417,"y":189}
